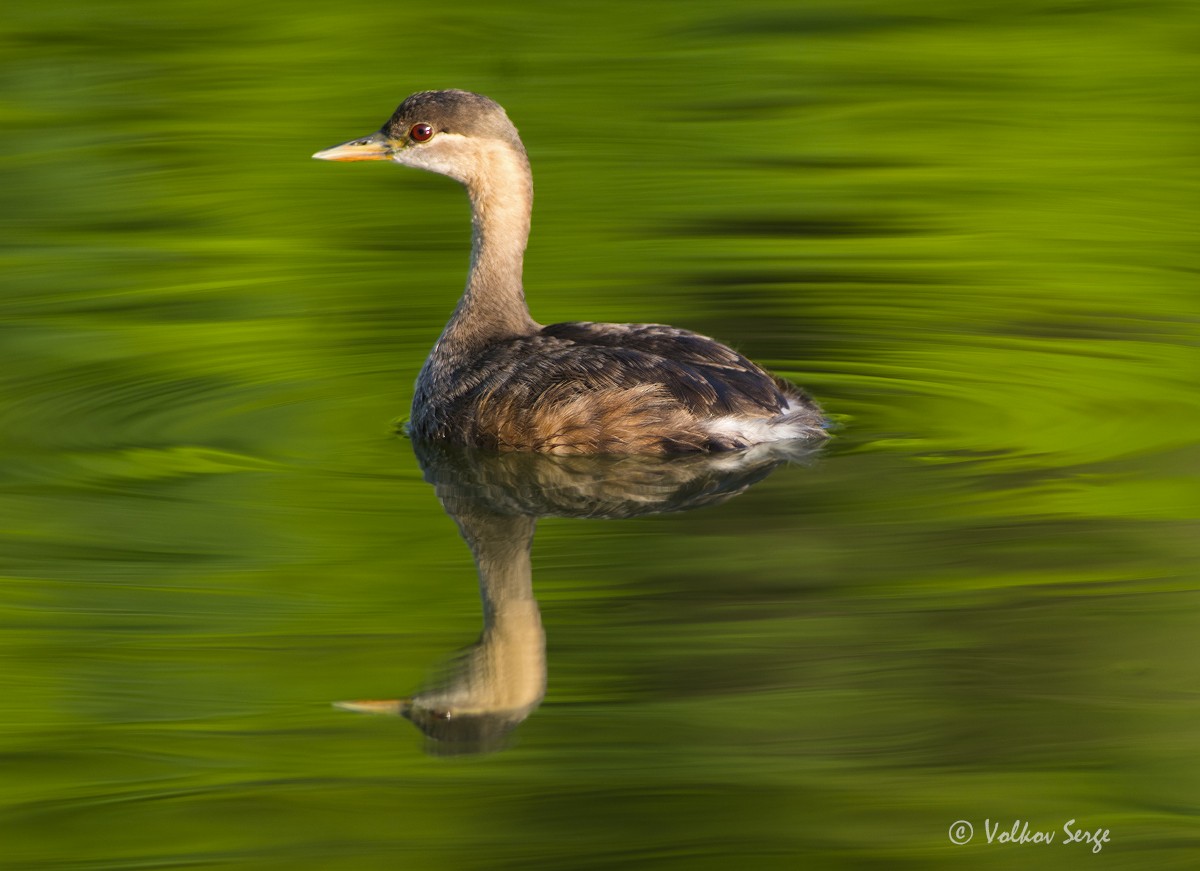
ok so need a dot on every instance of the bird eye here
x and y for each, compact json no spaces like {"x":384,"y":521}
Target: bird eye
{"x":421,"y":133}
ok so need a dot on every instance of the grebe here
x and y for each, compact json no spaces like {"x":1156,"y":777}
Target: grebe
{"x":499,"y":380}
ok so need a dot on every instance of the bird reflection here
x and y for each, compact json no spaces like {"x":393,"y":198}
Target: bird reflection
{"x":493,"y":685}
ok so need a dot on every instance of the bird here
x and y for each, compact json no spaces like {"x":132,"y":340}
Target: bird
{"x":497,"y":379}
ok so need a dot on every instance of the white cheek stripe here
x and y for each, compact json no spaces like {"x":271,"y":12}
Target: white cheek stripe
{"x":450,"y":154}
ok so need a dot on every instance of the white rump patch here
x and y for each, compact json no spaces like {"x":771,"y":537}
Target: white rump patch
{"x":792,"y":423}
{"x":753,"y":431}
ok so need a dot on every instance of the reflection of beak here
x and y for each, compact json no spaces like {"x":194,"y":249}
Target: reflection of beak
{"x":395,"y":707}
{"x":373,"y":147}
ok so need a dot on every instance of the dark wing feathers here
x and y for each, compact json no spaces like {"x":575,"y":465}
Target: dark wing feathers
{"x":706,"y":376}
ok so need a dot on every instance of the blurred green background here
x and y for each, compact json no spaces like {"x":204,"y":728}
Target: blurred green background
{"x":968,"y":227}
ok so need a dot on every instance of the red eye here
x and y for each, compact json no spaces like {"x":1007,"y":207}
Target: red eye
{"x":421,"y":133}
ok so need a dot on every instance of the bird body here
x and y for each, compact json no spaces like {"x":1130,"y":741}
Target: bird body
{"x":497,"y":379}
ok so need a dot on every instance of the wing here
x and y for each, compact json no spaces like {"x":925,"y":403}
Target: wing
{"x":708,"y":378}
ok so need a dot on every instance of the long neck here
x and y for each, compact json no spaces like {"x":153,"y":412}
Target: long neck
{"x":493,"y":305}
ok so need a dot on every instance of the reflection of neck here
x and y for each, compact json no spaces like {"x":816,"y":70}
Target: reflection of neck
{"x":505,"y":671}
{"x":501,"y":678}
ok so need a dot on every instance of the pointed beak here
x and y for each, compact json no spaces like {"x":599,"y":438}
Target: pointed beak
{"x":374,"y":147}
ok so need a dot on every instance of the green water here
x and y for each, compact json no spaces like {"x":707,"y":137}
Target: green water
{"x":968,"y":228}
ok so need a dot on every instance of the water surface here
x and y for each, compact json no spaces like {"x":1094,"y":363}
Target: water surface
{"x":969,"y":230}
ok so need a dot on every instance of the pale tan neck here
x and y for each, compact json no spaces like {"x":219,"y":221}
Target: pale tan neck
{"x":493,"y":306}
